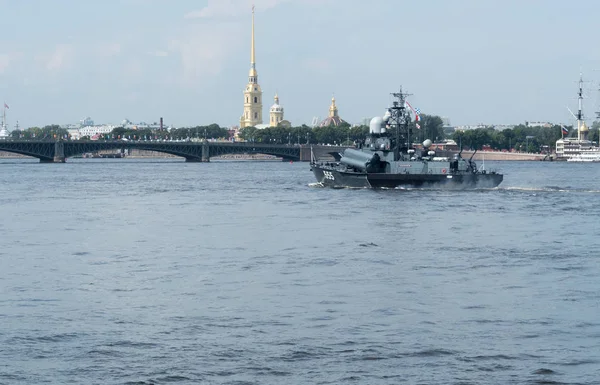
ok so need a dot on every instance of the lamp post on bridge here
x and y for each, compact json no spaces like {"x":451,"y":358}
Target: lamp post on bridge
{"x":308,"y":138}
{"x":527,"y":142}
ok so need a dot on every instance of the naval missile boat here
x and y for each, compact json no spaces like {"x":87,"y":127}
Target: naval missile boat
{"x":386,"y":158}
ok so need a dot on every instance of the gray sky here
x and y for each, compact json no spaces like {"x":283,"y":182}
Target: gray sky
{"x":473,"y":61}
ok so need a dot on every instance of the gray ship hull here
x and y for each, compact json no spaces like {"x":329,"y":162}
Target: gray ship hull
{"x":332,"y":177}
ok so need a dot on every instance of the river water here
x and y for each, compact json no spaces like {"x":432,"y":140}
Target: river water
{"x":153,"y":272}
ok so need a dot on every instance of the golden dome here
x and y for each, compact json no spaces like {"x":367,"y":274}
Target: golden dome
{"x":584,"y":127}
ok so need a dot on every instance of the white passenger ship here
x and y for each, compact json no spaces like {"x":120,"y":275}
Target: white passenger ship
{"x":591,"y":155}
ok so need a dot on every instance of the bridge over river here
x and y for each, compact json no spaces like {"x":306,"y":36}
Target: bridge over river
{"x":51,"y":151}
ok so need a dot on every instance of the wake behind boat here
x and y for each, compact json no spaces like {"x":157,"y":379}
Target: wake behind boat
{"x":386,"y":158}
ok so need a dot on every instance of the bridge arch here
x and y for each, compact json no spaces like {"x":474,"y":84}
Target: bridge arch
{"x":285,"y":152}
{"x":191,"y":152}
{"x":44,"y":151}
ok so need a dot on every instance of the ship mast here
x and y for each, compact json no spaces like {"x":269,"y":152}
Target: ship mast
{"x":598,"y":112}
{"x":580,"y":116}
{"x":3,"y":130}
{"x":398,"y":114}
{"x":4,"y":127}
{"x":580,"y":98}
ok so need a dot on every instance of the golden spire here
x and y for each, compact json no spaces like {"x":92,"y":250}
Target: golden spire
{"x":333,"y":111}
{"x":252,"y":57}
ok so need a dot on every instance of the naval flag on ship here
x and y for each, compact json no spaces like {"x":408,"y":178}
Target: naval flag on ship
{"x":417,"y":113}
{"x":564,"y":130}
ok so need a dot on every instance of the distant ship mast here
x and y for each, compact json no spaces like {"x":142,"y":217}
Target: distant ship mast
{"x":581,"y":127}
{"x":580,"y":98}
{"x":3,"y":130}
{"x":598,"y":112}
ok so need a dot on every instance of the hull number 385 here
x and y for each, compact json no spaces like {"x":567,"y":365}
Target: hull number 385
{"x":328,"y":175}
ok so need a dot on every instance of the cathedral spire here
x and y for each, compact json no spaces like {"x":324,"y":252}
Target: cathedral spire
{"x":253,"y":73}
{"x":252,"y":94}
{"x":252,"y":61}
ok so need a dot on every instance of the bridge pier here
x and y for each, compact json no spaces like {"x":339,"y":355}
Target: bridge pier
{"x":195,"y":160}
{"x":205,"y":151}
{"x":59,"y":152}
{"x":53,"y":160}
{"x":305,"y":154}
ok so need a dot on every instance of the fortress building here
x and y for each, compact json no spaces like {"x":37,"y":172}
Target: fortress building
{"x":252,"y":116}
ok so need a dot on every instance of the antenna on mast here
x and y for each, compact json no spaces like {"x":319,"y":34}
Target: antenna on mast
{"x":580,"y":99}
{"x":598,"y":100}
{"x":598,"y":111}
{"x":401,"y":96}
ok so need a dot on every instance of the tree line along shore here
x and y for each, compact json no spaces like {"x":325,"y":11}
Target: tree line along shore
{"x":522,"y":137}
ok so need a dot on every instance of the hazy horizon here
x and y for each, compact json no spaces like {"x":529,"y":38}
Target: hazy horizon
{"x":493,"y":62}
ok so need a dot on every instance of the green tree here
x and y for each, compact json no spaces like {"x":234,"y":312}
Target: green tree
{"x":118,"y":132}
{"x":248,"y":133}
{"x":432,"y":127}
